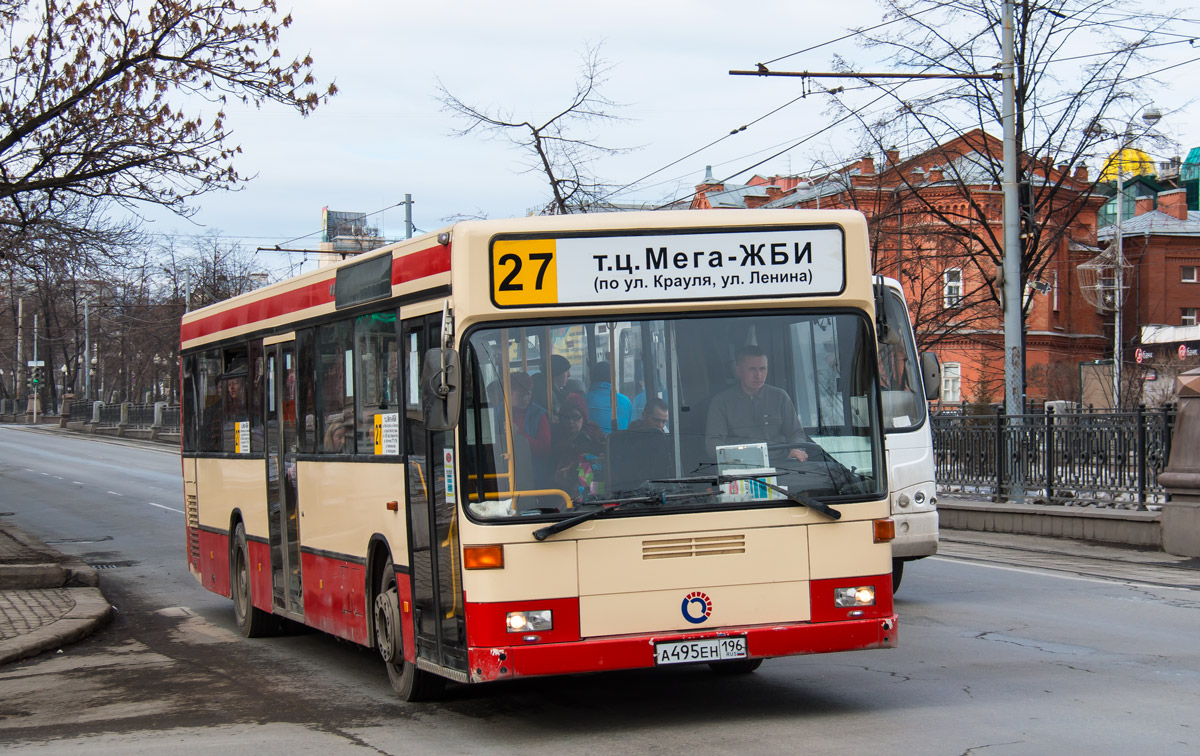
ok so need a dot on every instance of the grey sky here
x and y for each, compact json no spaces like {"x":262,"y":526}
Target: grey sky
{"x":385,"y":134}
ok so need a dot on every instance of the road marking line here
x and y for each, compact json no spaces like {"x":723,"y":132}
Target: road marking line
{"x":1047,"y":572}
{"x":169,"y":509}
{"x":114,"y":493}
{"x":77,"y":482}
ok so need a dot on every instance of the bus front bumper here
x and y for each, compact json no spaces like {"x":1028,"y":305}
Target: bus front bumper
{"x":638,"y":651}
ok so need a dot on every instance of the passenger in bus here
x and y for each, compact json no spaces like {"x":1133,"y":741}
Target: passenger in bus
{"x":560,"y":373}
{"x":643,"y":452}
{"x":599,"y":400}
{"x":579,"y":449}
{"x":335,"y":434}
{"x":531,"y":420}
{"x":754,"y":411}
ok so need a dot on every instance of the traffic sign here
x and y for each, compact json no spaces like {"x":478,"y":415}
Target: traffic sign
{"x":36,"y":363}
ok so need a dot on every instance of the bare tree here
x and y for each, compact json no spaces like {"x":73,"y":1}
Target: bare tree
{"x":1079,"y":64}
{"x":550,"y":144}
{"x":124,"y":99}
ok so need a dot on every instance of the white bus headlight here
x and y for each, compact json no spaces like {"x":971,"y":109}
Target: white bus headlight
{"x":863,"y":595}
{"x":540,"y":619}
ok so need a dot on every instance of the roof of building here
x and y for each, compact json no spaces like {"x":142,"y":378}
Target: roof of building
{"x":1155,"y":223}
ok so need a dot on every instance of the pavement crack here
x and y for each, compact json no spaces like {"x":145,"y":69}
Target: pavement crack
{"x":356,"y":740}
{"x":974,"y":749}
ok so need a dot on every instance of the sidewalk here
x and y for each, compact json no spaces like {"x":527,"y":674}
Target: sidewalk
{"x":47,"y":599}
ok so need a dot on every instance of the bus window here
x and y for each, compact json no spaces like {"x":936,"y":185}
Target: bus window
{"x":903,"y":395}
{"x":209,"y":398}
{"x":378,"y":379}
{"x":334,"y":365}
{"x":689,"y":371}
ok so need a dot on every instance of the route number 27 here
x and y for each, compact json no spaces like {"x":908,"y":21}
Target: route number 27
{"x":524,"y":272}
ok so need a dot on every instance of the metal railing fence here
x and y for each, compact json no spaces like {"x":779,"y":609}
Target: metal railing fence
{"x":140,"y":416}
{"x":1056,"y":458}
{"x":80,"y":411}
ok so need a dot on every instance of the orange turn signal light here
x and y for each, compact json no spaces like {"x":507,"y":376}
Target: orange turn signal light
{"x":483,"y":557}
{"x":885,"y":530}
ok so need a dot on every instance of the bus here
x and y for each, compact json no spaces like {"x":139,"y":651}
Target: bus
{"x":907,"y":381}
{"x":553,"y":445}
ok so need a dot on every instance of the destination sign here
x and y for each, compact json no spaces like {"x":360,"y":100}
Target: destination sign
{"x":735,"y":264}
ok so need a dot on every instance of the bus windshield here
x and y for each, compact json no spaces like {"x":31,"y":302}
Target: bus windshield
{"x":899,"y":377}
{"x":741,"y":410}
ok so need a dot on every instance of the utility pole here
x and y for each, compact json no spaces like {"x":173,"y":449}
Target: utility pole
{"x":37,"y":393}
{"x":408,"y":224}
{"x":1014,"y":359}
{"x":87,"y":352}
{"x":20,"y":345}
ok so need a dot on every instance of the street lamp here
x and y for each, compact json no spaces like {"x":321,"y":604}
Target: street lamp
{"x":1150,"y":116}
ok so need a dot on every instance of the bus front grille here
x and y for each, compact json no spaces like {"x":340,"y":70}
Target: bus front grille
{"x":671,"y":548}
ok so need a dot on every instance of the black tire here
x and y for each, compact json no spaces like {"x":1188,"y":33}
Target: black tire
{"x":410,"y":683}
{"x":251,"y":621}
{"x":897,"y":574}
{"x":735,"y":666}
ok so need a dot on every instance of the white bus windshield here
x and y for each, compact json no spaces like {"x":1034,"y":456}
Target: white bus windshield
{"x":899,"y":374}
{"x":562,"y":417}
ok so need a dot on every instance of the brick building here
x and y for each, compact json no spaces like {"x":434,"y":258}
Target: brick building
{"x":1161,"y":312}
{"x":936,"y":225}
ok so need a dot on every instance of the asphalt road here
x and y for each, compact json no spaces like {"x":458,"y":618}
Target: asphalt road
{"x":1046,"y":648}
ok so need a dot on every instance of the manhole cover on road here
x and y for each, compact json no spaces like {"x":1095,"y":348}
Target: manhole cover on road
{"x":111,"y":565}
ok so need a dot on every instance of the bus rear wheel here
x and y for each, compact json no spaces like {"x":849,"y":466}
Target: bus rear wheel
{"x":251,"y":621}
{"x":410,"y":683}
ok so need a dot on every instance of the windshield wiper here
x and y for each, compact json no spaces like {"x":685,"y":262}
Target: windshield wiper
{"x":543,"y":533}
{"x":804,"y":501}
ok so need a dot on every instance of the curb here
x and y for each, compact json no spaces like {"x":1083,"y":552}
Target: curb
{"x":90,"y":613}
{"x":72,"y":578}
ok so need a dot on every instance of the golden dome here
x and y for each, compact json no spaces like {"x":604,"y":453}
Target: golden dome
{"x":1131,"y":161}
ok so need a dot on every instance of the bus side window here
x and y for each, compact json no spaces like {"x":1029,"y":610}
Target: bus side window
{"x":190,"y":419}
{"x":377,"y":379}
{"x":334,"y":367}
{"x":256,"y":397}
{"x":209,"y":402}
{"x":305,"y":399}
{"x":235,"y":413}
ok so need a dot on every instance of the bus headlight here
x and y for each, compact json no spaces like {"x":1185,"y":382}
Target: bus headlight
{"x":519,"y":622}
{"x":844,"y":598}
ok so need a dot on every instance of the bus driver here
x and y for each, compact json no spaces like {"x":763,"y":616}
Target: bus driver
{"x":752,"y":411}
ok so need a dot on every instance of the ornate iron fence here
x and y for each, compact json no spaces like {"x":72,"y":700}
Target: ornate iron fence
{"x":1080,"y":457}
{"x":110,"y":415}
{"x":141,"y":415}
{"x":80,"y":411}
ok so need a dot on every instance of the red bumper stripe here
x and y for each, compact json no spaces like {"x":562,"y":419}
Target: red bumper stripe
{"x":632,"y":652}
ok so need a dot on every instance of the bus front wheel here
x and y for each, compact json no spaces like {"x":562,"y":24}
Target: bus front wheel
{"x":410,"y":683}
{"x":735,"y":666}
{"x":897,"y":574}
{"x":251,"y":621}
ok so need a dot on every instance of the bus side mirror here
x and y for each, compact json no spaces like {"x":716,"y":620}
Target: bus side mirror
{"x":931,"y":375}
{"x":439,"y":389}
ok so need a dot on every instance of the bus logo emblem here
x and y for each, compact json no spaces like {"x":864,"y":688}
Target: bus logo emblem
{"x":697,"y":607}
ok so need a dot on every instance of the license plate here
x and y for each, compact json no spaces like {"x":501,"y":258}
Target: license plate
{"x":708,"y":650}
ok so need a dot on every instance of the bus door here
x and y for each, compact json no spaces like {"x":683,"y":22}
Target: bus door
{"x":432,"y":506}
{"x":282,"y":500}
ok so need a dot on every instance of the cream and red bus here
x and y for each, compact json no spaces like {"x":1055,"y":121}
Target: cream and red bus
{"x":553,"y":445}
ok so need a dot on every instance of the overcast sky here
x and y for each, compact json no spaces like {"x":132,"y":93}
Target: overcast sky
{"x":385,"y":134}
